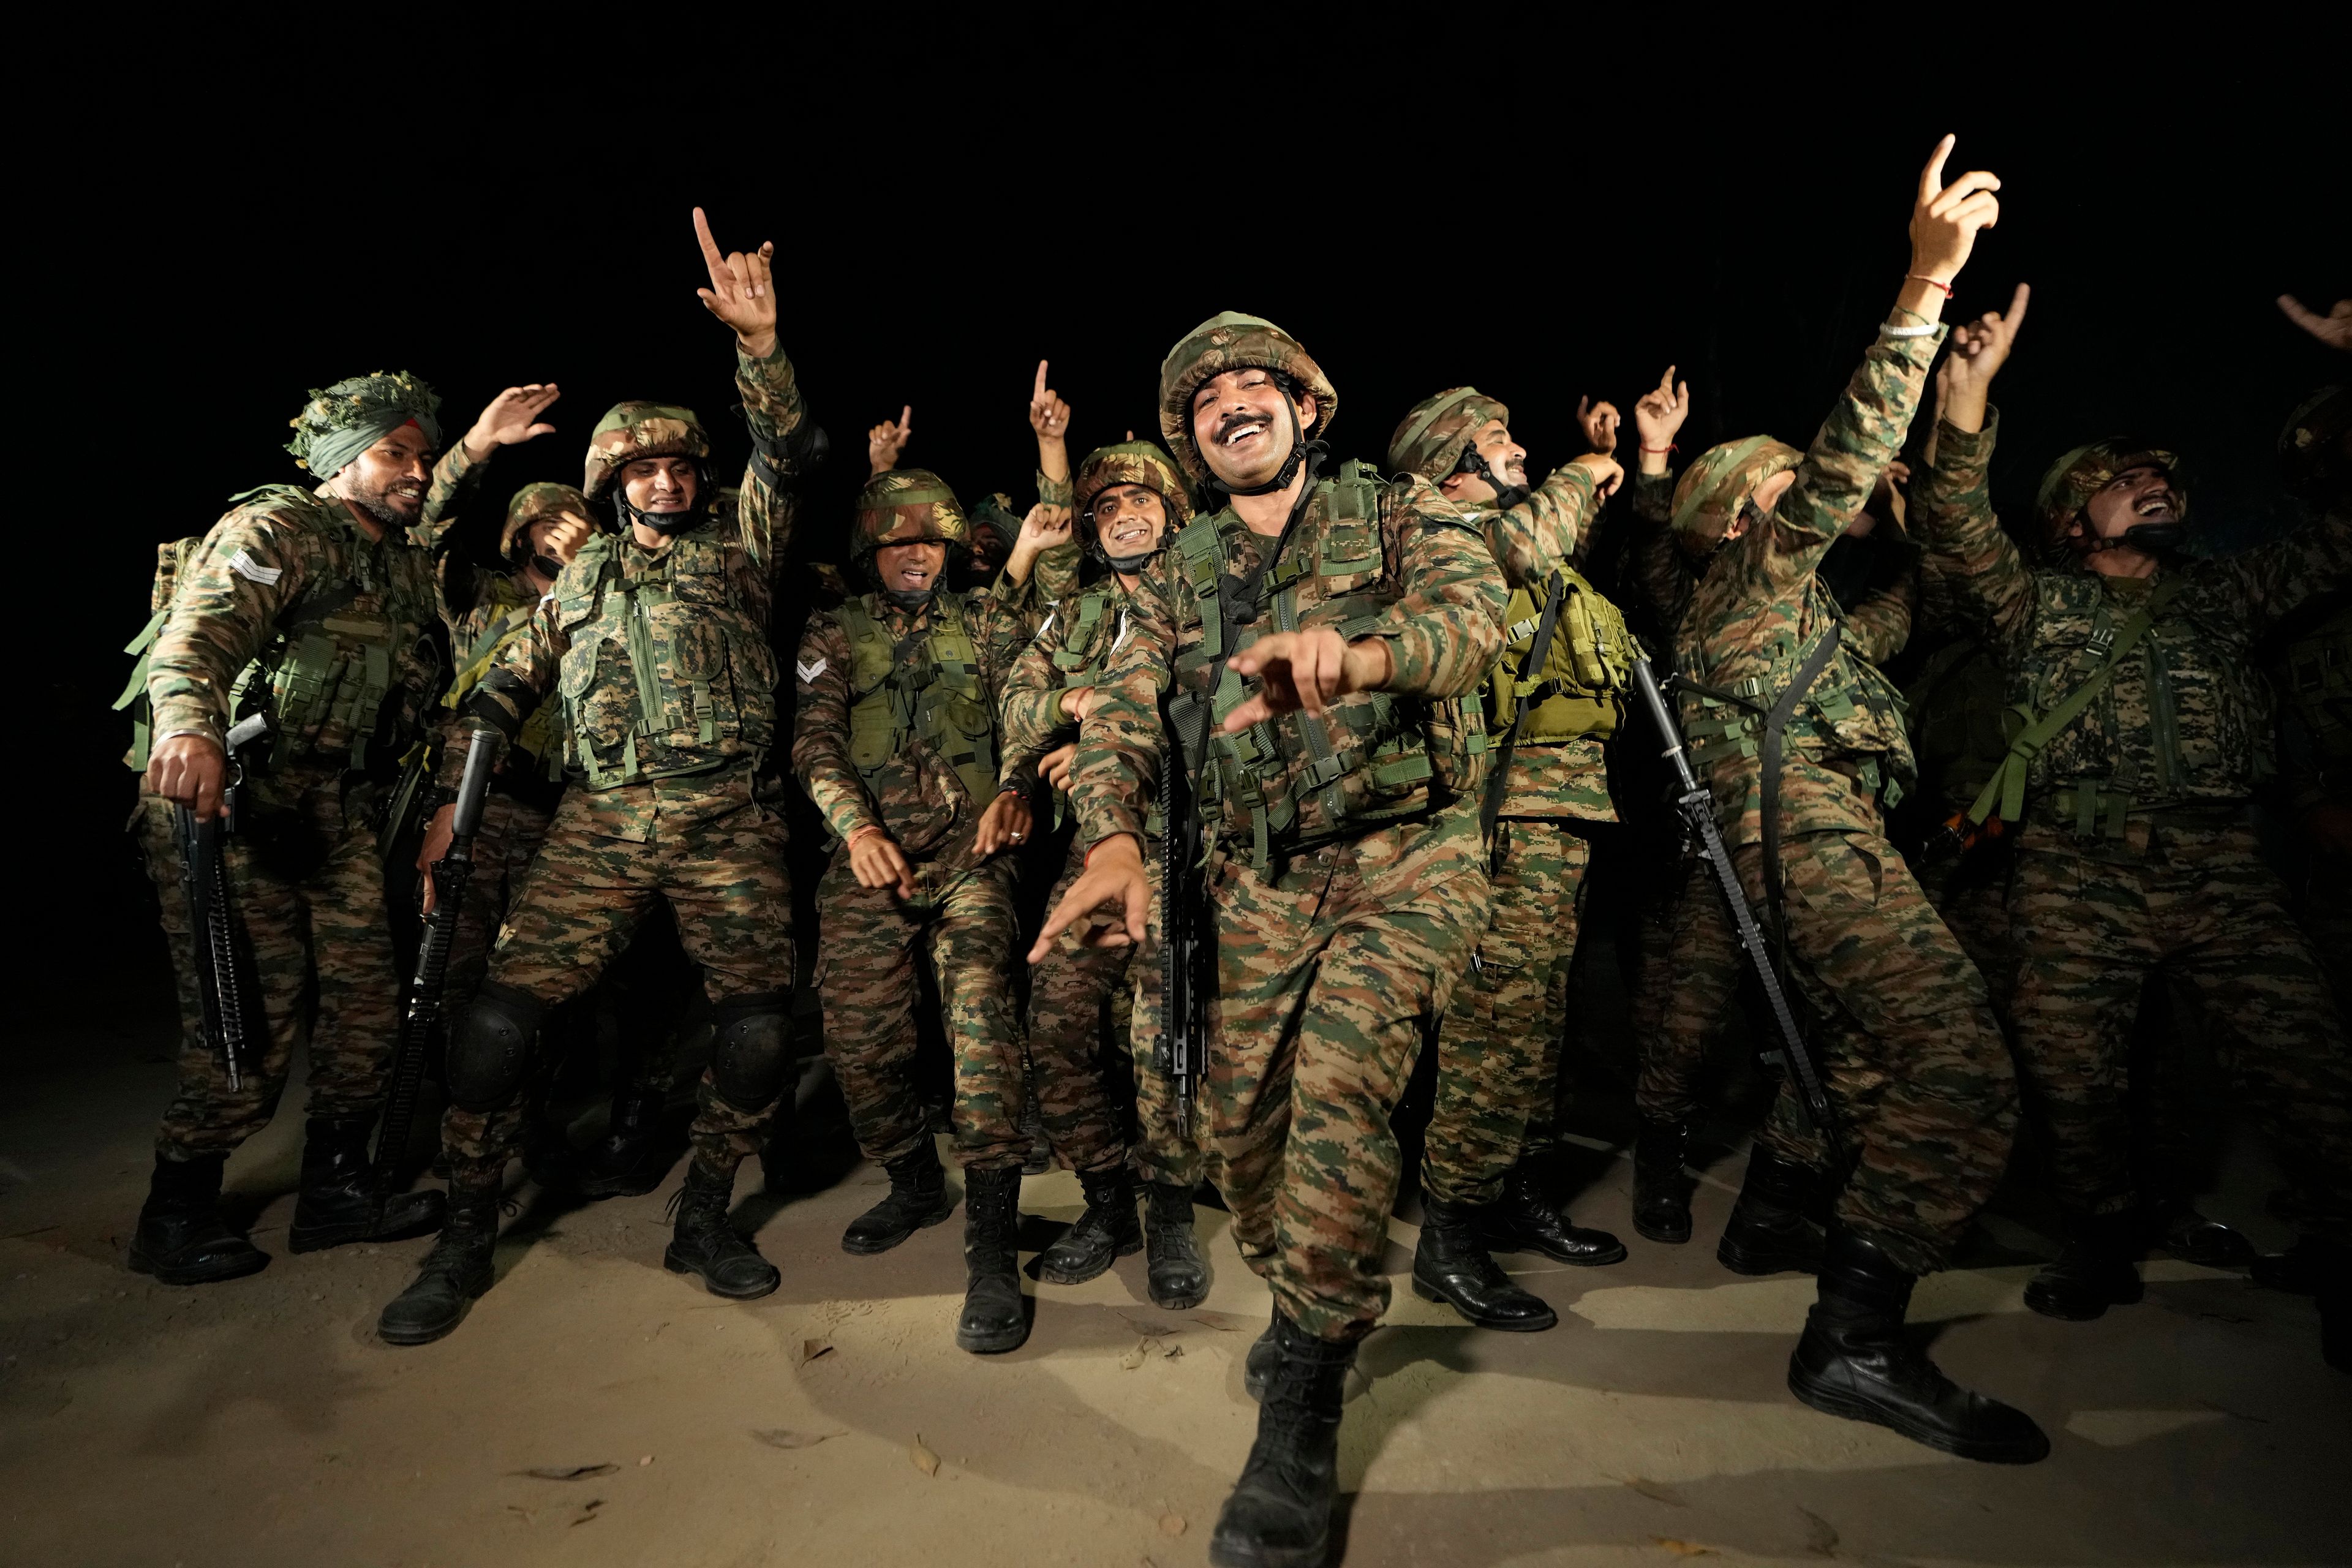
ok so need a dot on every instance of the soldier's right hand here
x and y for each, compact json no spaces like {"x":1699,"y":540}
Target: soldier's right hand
{"x":1944,"y":218}
{"x":1607,"y":475}
{"x":190,"y":771}
{"x":876,"y":859}
{"x":1978,"y":349}
{"x":888,"y":439}
{"x":1048,"y":415}
{"x":1054,"y":767}
{"x":1113,"y":880}
{"x":1077,"y":702}
{"x":1657,"y":416}
{"x":438,"y":832}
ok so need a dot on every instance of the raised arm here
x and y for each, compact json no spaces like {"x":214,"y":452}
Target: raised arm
{"x":741,"y":294}
{"x":1976,"y":566}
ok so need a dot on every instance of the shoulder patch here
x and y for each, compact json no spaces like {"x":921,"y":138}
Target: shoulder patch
{"x":253,"y":570}
{"x":809,"y":670}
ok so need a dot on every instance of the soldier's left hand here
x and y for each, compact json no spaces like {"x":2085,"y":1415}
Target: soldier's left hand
{"x":1944,"y":218}
{"x":1005,"y":822}
{"x":1306,"y":670}
{"x":1607,"y":473}
{"x":2334,"y":328}
{"x":1600,"y":423}
{"x":1054,"y":767}
{"x":511,"y":420}
{"x":563,"y":541}
{"x":1048,"y":415}
{"x":742,"y":290}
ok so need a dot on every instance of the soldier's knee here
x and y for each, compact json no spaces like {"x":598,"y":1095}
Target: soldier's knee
{"x":750,"y":1035}
{"x":489,"y":1050}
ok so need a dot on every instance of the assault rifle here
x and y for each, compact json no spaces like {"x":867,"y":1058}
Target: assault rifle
{"x":1183,"y":1025}
{"x":230,"y":991}
{"x":427,"y":990}
{"x":1696,"y":805}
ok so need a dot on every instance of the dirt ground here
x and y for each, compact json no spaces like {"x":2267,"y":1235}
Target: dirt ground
{"x":596,"y":1410}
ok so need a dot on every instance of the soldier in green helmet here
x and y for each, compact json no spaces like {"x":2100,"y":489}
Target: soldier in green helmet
{"x":306,"y":614}
{"x":1313,"y":641}
{"x":654,"y":641}
{"x":1498,"y":1049}
{"x":2144,"y":729}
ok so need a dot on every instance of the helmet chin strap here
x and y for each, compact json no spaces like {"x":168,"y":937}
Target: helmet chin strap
{"x":661,"y":523}
{"x":2149,"y":538}
{"x":1289,"y":470}
{"x":1474,"y":463}
{"x":912,"y":599}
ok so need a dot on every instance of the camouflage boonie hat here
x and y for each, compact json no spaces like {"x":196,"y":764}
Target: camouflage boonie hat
{"x":1713,"y":488}
{"x":2313,"y":440}
{"x":2083,"y":472}
{"x":631,"y":431}
{"x":1231,"y":341}
{"x":341,"y":421}
{"x":901,"y":506}
{"x":1133,"y":463}
{"x":1431,"y":437}
{"x":546,"y":499}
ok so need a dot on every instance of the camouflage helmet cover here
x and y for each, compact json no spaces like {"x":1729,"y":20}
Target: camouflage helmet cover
{"x":1231,"y":341}
{"x":1714,"y":488}
{"x":1133,"y":463}
{"x":902,"y":505}
{"x":630,"y":432}
{"x":994,"y":510}
{"x":533,"y":502}
{"x":2071,"y":482}
{"x":1432,"y":435}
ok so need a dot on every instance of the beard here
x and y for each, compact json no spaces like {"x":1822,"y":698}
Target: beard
{"x":378,"y":504}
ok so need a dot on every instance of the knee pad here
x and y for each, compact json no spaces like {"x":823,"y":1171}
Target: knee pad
{"x":490,"y":1049}
{"x":748,"y":1048}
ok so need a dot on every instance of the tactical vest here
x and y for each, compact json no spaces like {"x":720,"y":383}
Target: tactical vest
{"x":937,"y":700}
{"x":540,"y":740}
{"x":1587,"y":671}
{"x":330,"y":660}
{"x":666,"y":672}
{"x":1083,"y":649}
{"x":1377,"y":758}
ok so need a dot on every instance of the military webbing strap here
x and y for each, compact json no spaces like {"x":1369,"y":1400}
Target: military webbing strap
{"x":1078,"y":668}
{"x":1490,"y":810}
{"x":2007,"y":785}
{"x":888,"y":705}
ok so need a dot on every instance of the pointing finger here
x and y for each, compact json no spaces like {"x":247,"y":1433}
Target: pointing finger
{"x":2016,"y":302}
{"x":709,"y":246}
{"x":1931,"y":178}
{"x":1037,"y":394}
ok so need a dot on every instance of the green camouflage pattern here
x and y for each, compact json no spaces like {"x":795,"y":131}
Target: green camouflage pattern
{"x":900,"y":506}
{"x":1713,"y":488}
{"x":1231,"y":341}
{"x":1132,"y":463}
{"x":2068,"y":485}
{"x":1688,"y":996}
{"x":509,"y":841}
{"x":1070,"y":989}
{"x":1435,"y":431}
{"x":309,"y":890}
{"x":631,"y":432}
{"x":1069,"y":649}
{"x":341,"y":421}
{"x":1554,"y":526}
{"x":544,"y":498}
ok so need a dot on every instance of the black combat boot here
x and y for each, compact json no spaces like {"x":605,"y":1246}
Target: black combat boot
{"x":1257,"y":1363}
{"x":2193,"y":1238}
{"x":1451,"y":1266}
{"x":1174,"y":1271}
{"x":1106,"y":1232}
{"x":2093,"y":1273}
{"x":455,"y":1271}
{"x":182,"y":1238}
{"x":994,"y":1318}
{"x":1770,"y":1230}
{"x":625,"y":1162}
{"x":1280,"y":1515}
{"x":1853,"y":1361}
{"x":1526,"y":1219}
{"x":1660,"y":1190}
{"x":918,"y":1198}
{"x":343,"y":1196}
{"x":705,"y":1243}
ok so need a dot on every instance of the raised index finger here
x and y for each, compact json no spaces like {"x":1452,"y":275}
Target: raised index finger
{"x":2017,"y":305}
{"x":1931,"y":178}
{"x":709,"y":246}
{"x":1037,"y":394}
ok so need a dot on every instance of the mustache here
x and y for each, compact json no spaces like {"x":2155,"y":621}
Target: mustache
{"x":1232,"y":421}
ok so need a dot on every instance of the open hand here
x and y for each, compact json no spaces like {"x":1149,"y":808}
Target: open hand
{"x":1306,"y":670}
{"x":1003,"y":823}
{"x":1114,"y":879}
{"x":511,"y":419}
{"x":1944,"y":218}
{"x":1978,"y":349}
{"x":888,"y":439}
{"x":2334,"y":328}
{"x":742,"y":292}
{"x":1600,"y":423}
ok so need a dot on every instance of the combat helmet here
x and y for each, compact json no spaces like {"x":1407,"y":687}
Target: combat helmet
{"x":2071,"y":482}
{"x":1129,"y":463}
{"x":902,"y":505}
{"x":532,"y":503}
{"x":1714,"y":489}
{"x":1231,"y":341}
{"x":2312,"y":446}
{"x":1439,"y":438}
{"x":632,"y":431}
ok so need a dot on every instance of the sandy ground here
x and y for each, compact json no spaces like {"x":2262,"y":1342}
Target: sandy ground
{"x":596,"y":1410}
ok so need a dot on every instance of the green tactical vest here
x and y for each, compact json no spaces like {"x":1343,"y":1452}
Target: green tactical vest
{"x":1084,"y":650}
{"x":1373,"y":760}
{"x":938,"y":700}
{"x":329,"y":658}
{"x":665,"y":672}
{"x":542,"y":736}
{"x":1588,"y":670}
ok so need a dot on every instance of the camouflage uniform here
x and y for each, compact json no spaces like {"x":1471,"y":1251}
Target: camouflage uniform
{"x":2135,"y":851}
{"x":1904,"y":1032}
{"x":1346,"y":874}
{"x":894,"y":732}
{"x":1498,"y":1052}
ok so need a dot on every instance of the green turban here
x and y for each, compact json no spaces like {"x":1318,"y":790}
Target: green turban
{"x":341,"y":421}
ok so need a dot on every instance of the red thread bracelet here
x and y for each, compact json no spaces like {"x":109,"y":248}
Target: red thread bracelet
{"x":1930,"y":282}
{"x":1669,"y":447}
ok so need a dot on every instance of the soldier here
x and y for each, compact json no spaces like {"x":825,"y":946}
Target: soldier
{"x":1331,"y":629}
{"x":1799,"y":740}
{"x":1130,"y":499}
{"x":313,"y":611}
{"x":2128,"y":793}
{"x":656,"y":639}
{"x":1498,"y":1050}
{"x":896,"y":741}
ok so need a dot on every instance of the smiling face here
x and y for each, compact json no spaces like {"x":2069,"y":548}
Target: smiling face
{"x":660,"y":484}
{"x":2142,"y":493}
{"x":1505,"y":460}
{"x":1128,"y":520}
{"x":387,"y":480}
{"x":912,"y":567}
{"x":1242,"y":425}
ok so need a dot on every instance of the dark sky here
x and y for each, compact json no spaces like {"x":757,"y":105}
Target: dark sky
{"x":219,"y":232}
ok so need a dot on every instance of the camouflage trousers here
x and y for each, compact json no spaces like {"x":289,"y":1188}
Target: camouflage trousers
{"x":1970,"y":891}
{"x":309,"y":890}
{"x":964,"y":922}
{"x":1327,"y":977}
{"x":710,"y":851}
{"x":1903,"y":1033}
{"x":1498,"y":1049}
{"x":2191,"y":895}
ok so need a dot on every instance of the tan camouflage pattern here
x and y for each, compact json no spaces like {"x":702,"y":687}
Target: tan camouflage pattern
{"x":899,"y":506}
{"x":1712,"y":489}
{"x":544,"y":498}
{"x":1070,"y":990}
{"x":1231,"y":341}
{"x":1131,"y":463}
{"x":1430,"y":439}
{"x":1553,"y":526}
{"x":631,"y":432}
{"x":1688,"y":995}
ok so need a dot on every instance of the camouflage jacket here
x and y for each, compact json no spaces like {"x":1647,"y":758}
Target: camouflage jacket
{"x":2187,"y":716}
{"x":911,"y":791}
{"x":660,"y":655}
{"x":1402,"y":562}
{"x":289,"y":606}
{"x":1069,"y":649}
{"x":1757,"y":607}
{"x":2312,"y":674}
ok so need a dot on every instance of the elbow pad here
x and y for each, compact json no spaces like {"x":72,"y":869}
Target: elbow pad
{"x":501,"y":703}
